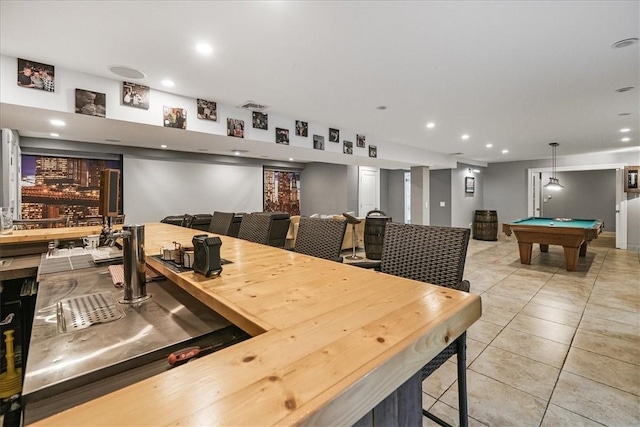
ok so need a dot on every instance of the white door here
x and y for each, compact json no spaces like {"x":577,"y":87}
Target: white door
{"x":368,"y":190}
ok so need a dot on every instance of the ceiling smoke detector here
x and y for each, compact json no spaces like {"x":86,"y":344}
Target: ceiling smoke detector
{"x":253,"y":106}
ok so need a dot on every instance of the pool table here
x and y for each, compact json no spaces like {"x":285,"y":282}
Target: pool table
{"x":572,"y":234}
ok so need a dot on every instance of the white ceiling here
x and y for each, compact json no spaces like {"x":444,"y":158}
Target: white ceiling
{"x":515,"y":74}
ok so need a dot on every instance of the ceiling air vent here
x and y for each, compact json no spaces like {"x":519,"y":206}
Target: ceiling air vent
{"x":253,"y":106}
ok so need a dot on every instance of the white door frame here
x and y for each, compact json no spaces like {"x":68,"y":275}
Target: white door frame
{"x":621,"y":202}
{"x":362,"y":212}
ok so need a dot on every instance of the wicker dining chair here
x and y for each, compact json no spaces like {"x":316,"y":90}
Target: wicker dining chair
{"x":221,"y":222}
{"x":255,"y":228}
{"x":434,"y":255}
{"x":321,"y":237}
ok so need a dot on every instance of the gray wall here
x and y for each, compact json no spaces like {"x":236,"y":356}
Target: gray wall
{"x":463,"y":205}
{"x":440,"y":191}
{"x":395,"y":190}
{"x":420,"y":195}
{"x":577,"y":199}
{"x":352,"y":189}
{"x":323,"y":189}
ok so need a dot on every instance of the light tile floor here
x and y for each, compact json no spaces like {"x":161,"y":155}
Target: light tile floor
{"x":553,"y":348}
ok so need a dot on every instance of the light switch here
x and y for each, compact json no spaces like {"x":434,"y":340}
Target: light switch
{"x":442,"y":204}
{"x":426,"y":204}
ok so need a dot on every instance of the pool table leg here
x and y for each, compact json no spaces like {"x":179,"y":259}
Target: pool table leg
{"x":583,"y":249}
{"x":525,"y":252}
{"x":544,"y":247}
{"x":571,"y":258}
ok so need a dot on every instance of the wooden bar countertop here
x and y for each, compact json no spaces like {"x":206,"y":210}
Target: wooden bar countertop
{"x":330,"y":342}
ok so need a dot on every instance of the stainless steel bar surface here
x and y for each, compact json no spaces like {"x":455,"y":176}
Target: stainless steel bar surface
{"x":60,"y":362}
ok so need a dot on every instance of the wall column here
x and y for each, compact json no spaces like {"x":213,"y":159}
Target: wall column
{"x":420,"y":195}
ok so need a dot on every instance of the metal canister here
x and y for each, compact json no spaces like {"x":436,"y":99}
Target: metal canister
{"x":135,"y":285}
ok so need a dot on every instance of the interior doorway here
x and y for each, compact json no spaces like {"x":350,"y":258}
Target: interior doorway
{"x":535,"y":187}
{"x":368,"y":190}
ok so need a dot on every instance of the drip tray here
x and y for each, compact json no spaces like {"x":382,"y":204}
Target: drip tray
{"x":83,"y":311}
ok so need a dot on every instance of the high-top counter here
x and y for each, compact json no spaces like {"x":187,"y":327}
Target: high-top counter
{"x":331,"y":341}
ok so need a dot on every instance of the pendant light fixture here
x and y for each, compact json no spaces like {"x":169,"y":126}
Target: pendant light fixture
{"x":553,"y":183}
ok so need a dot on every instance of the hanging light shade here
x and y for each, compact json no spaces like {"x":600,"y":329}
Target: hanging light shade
{"x":553,"y":183}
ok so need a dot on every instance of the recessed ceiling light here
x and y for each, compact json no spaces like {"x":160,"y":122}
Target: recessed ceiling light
{"x":202,"y":149}
{"x":126,"y":72}
{"x":238,"y":152}
{"x":624,"y":130}
{"x":291,"y":159}
{"x":57,"y":122}
{"x":163,"y":146}
{"x":167,"y":83}
{"x":624,"y":114}
{"x":505,"y":151}
{"x":431,"y":125}
{"x":625,"y":139}
{"x":112,"y":140}
{"x":625,"y":89}
{"x":204,"y":48}
{"x":476,"y":170}
{"x":465,"y":136}
{"x":54,"y":134}
{"x":382,"y":107}
{"x":625,"y":43}
{"x":489,"y":145}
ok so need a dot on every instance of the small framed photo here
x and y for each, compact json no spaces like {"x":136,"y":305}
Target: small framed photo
{"x":318,"y":142}
{"x":360,"y":141}
{"x":260,"y":120}
{"x":631,"y":179}
{"x":347,"y":147}
{"x":235,"y":128}
{"x":469,"y":185}
{"x":302,"y":128}
{"x":282,"y":136}
{"x":373,"y":151}
{"x":207,"y":110}
{"x":135,"y":95}
{"x":334,"y":135}
{"x":35,"y":75}
{"x":174,"y":117}
{"x":91,"y":103}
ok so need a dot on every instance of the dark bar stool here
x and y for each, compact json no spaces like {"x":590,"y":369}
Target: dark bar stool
{"x":353,"y":221}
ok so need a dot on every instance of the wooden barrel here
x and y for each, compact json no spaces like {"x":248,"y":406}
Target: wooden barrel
{"x":485,"y":225}
{"x":374,"y":226}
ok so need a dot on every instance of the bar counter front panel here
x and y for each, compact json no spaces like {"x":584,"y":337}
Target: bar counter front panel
{"x":331,"y":341}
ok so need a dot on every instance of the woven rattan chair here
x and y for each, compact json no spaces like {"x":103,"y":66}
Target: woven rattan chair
{"x":221,"y":222}
{"x":179,"y":220}
{"x":434,"y":255}
{"x":321,"y":237}
{"x":255,"y":228}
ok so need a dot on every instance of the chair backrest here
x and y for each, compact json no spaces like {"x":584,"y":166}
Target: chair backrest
{"x":429,"y":254}
{"x":221,"y":222}
{"x":255,"y":228}
{"x":320,"y":238}
{"x":278,"y":228}
{"x":174,"y":220}
{"x":200,"y":221}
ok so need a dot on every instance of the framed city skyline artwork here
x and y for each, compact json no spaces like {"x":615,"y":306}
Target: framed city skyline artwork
{"x":281,"y":191}
{"x":52,"y":187}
